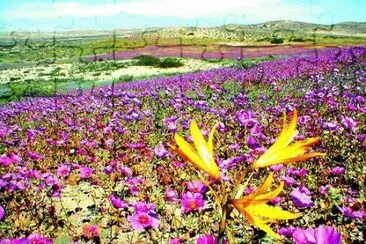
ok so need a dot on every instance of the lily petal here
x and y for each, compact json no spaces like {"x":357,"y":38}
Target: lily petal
{"x":271,"y":212}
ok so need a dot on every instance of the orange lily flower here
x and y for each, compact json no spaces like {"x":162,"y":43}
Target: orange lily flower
{"x":283,"y":153}
{"x":258,"y":213}
{"x":201,"y":155}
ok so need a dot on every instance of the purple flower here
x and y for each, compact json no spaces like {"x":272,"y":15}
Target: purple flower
{"x":192,"y":201}
{"x":196,"y":186}
{"x":338,"y":170}
{"x":301,"y":197}
{"x":350,"y":213}
{"x":144,"y":207}
{"x":288,"y":180}
{"x":349,"y":123}
{"x":34,"y":155}
{"x":5,"y":161}
{"x":297,"y":172}
{"x":208,"y":239}
{"x":324,"y":189}
{"x":287,"y":231}
{"x":85,"y":172}
{"x":276,"y":200}
{"x":321,"y":235}
{"x":108,"y":170}
{"x":246,"y":118}
{"x":117,"y":202}
{"x":140,"y":221}
{"x":126,"y":171}
{"x":276,"y":167}
{"x":51,"y":180}
{"x":160,"y":151}
{"x":171,"y":195}
{"x":330,"y":125}
{"x":63,"y":171}
{"x":2,"y":213}
{"x":252,"y":143}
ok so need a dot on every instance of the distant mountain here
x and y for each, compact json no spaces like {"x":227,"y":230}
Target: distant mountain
{"x":285,"y":29}
{"x":281,"y":28}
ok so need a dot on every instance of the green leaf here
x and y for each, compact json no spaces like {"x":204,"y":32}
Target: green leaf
{"x":63,"y":239}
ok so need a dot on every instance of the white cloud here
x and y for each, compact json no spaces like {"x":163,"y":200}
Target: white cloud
{"x":253,"y":10}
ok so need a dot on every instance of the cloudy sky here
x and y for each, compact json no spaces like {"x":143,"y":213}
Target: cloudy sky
{"x":59,"y":15}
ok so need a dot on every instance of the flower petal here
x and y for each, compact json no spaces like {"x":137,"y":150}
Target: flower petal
{"x":287,"y":134}
{"x":210,"y":138}
{"x":261,"y":225}
{"x":186,"y":149}
{"x":271,"y":212}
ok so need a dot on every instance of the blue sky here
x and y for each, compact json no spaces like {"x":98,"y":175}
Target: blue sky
{"x":61,"y":15}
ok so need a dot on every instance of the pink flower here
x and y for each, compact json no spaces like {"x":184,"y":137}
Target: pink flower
{"x":117,"y":202}
{"x":175,"y":241}
{"x":338,"y":170}
{"x":142,"y":220}
{"x":321,"y":235}
{"x":63,"y":171}
{"x":208,"y":239}
{"x":85,"y":172}
{"x":171,"y":195}
{"x":192,"y":201}
{"x":196,"y":186}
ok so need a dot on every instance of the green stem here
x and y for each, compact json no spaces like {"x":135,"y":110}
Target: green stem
{"x":222,"y":225}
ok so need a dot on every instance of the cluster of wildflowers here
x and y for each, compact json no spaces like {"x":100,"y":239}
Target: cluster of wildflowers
{"x":253,"y":206}
{"x":144,"y":216}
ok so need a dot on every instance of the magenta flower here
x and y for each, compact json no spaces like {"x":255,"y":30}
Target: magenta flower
{"x":209,"y":239}
{"x":51,"y":180}
{"x":34,"y":155}
{"x":338,"y":170}
{"x":175,"y":241}
{"x":288,"y":180}
{"x":85,"y":172}
{"x":141,"y":221}
{"x":117,"y":202}
{"x":287,"y":231}
{"x":196,"y":186}
{"x":301,"y":197}
{"x":2,"y":213}
{"x":276,"y":167}
{"x":321,"y":235}
{"x":63,"y":171}
{"x":192,"y":201}
{"x":144,"y":207}
{"x":5,"y":161}
{"x":38,"y":238}
{"x":324,"y":189}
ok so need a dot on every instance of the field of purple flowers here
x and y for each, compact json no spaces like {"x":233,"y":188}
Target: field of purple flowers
{"x":98,"y":166}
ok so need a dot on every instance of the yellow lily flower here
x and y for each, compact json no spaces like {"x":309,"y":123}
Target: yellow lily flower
{"x":283,"y":153}
{"x":201,"y":155}
{"x":258,"y":213}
